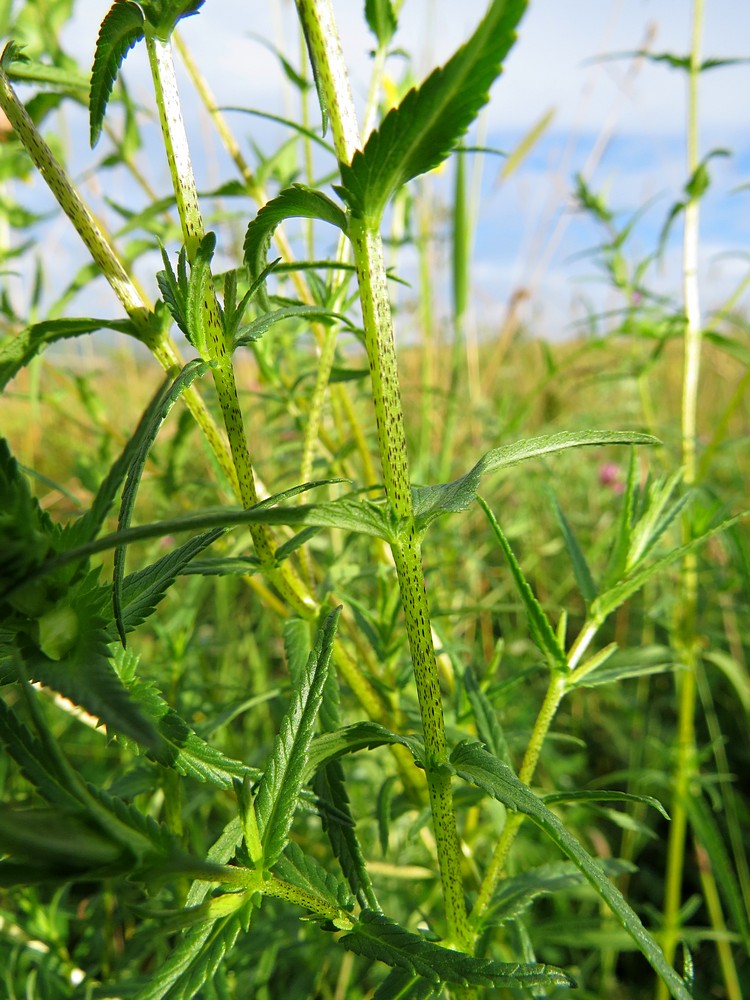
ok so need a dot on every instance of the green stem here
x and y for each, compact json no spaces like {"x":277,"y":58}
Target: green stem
{"x":686,"y":637}
{"x":555,"y":693}
{"x":322,"y":37}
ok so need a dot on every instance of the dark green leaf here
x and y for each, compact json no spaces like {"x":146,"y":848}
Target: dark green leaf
{"x":294,"y":202}
{"x":400,"y":985}
{"x":476,"y":765}
{"x":284,"y":771}
{"x":338,"y":823}
{"x":595,"y":795}
{"x":163,"y":15}
{"x":377,"y":937}
{"x":121,"y":28}
{"x":328,"y":747}
{"x":420,"y":133}
{"x":431,"y":502}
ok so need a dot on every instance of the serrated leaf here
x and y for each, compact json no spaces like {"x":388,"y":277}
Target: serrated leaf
{"x":610,"y":600}
{"x":420,"y":133}
{"x":251,"y":332}
{"x":597,"y":795}
{"x":199,"y":291}
{"x":17,"y":351}
{"x":193,"y":962}
{"x":381,"y":939}
{"x":143,"y":590}
{"x":338,"y":824}
{"x":476,"y":765}
{"x":431,"y":502}
{"x":284,"y":771}
{"x":624,"y":665}
{"x":517,"y":893}
{"x":59,"y":843}
{"x":331,"y":746}
{"x":121,"y":28}
{"x":84,"y":673}
{"x":293,"y":202}
{"x":541,"y":631}
{"x":181,"y":748}
{"x":304,"y":871}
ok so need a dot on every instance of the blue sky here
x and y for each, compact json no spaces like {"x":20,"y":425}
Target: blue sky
{"x":624,"y":127}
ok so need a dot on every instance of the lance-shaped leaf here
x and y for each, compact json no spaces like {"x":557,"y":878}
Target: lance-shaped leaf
{"x":420,"y":133}
{"x":121,"y":28}
{"x":381,"y":19}
{"x":431,"y":502}
{"x":328,"y":747}
{"x":475,"y":764}
{"x":163,"y":15}
{"x":279,"y":790}
{"x":295,"y":202}
{"x":18,"y":350}
{"x":541,"y":630}
{"x":145,"y":434}
{"x":377,"y":937}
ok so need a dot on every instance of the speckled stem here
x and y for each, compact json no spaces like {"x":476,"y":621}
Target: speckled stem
{"x":183,"y":181}
{"x":175,"y":142}
{"x":407,"y":555}
{"x":322,"y":36}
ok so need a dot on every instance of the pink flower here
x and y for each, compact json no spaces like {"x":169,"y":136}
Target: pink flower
{"x":609,"y":475}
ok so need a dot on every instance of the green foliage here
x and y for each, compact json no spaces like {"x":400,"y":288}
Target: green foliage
{"x":421,"y":132}
{"x":258,"y":785}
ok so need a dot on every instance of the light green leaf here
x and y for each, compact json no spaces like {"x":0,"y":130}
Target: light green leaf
{"x":121,"y":28}
{"x":381,"y":939}
{"x":284,"y":771}
{"x":163,"y":15}
{"x":18,"y":350}
{"x":421,"y":132}
{"x":304,"y":871}
{"x":431,"y":502}
{"x":328,"y":747}
{"x":381,"y":19}
{"x":476,"y":765}
{"x":609,"y":601}
{"x":581,"y":569}
{"x":540,"y":629}
{"x":251,"y":332}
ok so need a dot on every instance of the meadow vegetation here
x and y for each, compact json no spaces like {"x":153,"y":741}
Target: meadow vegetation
{"x":336,"y":670}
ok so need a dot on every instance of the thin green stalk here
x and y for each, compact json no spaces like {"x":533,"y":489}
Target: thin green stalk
{"x":686,"y":627}
{"x":555,"y":693}
{"x":183,"y":182}
{"x":322,"y":36}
